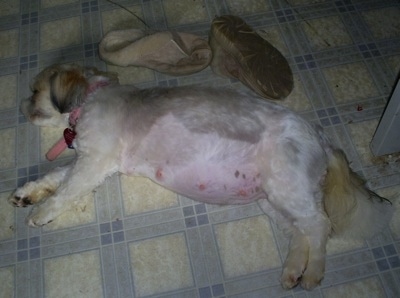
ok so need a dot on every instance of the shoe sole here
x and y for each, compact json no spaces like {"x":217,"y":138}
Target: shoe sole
{"x":239,"y":52}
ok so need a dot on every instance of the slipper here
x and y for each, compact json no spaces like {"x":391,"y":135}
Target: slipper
{"x":239,"y":52}
{"x":168,"y":52}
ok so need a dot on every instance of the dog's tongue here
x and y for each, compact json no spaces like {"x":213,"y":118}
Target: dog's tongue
{"x":56,"y":150}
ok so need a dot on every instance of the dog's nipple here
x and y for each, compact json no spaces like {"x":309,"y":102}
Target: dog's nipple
{"x":242,"y":193}
{"x":159,"y":174}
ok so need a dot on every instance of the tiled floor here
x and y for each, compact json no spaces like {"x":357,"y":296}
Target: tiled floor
{"x":132,"y":238}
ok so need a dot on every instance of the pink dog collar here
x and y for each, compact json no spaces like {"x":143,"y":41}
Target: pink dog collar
{"x":68,"y":137}
{"x":69,"y":133}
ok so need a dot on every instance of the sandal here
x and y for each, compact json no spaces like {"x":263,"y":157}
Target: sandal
{"x":239,"y":52}
{"x":168,"y":52}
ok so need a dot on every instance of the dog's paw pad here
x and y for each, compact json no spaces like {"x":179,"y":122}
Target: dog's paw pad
{"x":19,"y":201}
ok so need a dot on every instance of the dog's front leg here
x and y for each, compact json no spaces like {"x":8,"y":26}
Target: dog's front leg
{"x":86,"y":173}
{"x":34,"y":191}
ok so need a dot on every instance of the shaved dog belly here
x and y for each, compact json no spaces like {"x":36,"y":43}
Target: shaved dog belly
{"x":209,"y":182}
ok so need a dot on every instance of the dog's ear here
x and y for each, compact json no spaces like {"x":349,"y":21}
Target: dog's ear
{"x":67,"y":89}
{"x":70,"y":84}
{"x":92,"y":74}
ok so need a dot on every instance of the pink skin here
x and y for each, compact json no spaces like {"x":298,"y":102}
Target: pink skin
{"x":212,"y":184}
{"x":219,"y":191}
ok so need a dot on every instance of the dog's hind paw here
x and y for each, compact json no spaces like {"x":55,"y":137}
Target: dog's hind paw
{"x":309,"y":282}
{"x":313,"y":276}
{"x":290,"y":278}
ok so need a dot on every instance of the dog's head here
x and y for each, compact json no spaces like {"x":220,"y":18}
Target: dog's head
{"x":57,"y":90}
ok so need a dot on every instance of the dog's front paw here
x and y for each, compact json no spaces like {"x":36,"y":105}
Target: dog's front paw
{"x":37,"y":222}
{"x":31,"y":193}
{"x":39,"y":216}
{"x":20,"y":198}
{"x":44,"y":213}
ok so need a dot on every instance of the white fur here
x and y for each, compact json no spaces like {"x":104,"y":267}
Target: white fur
{"x":215,"y":146}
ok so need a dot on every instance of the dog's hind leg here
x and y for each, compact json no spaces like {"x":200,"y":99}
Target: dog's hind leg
{"x":316,"y":229}
{"x":297,"y":258}
{"x":306,"y":222}
{"x":35,"y":191}
{"x":85,"y":174}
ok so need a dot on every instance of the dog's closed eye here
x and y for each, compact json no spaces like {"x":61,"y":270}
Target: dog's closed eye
{"x":34,"y":97}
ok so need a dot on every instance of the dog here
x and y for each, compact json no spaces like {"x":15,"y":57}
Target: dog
{"x":216,"y":146}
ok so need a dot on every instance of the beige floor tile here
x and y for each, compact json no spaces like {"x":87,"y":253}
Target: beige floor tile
{"x":10,"y":38}
{"x":383,"y":23}
{"x":350,"y":82}
{"x":185,"y":12}
{"x":339,"y":245}
{"x":142,"y":195}
{"x":52,"y":3}
{"x":297,"y":99}
{"x":8,"y":7}
{"x":6,"y":217}
{"x":119,"y":19}
{"x":7,"y":282}
{"x":246,"y":246}
{"x":81,"y":213}
{"x":8,"y":87}
{"x":393,"y":194}
{"x":302,"y":2}
{"x":394,"y":63}
{"x":60,"y":33}
{"x":160,"y":264}
{"x":361,"y":133}
{"x":325,"y":33}
{"x":370,"y":287}
{"x":242,"y":7}
{"x":7,"y":148}
{"x":75,"y":275}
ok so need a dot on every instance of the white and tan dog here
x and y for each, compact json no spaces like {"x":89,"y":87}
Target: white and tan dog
{"x":213,"y":145}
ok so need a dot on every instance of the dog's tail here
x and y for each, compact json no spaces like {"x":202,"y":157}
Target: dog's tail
{"x":352,"y":208}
